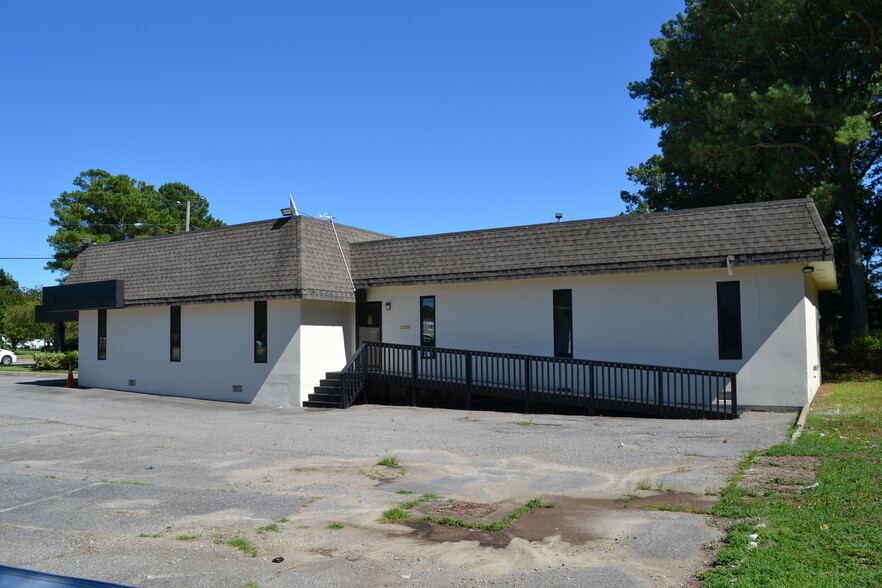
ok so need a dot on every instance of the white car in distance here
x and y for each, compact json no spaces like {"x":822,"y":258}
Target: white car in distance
{"x":6,"y":357}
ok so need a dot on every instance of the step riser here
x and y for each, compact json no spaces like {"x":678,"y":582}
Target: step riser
{"x":325,"y":398}
{"x":314,"y":404}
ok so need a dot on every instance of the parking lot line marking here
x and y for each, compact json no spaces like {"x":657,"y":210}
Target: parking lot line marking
{"x":57,"y":496}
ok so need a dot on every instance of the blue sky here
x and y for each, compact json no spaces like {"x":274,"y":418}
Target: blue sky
{"x":406,"y":117}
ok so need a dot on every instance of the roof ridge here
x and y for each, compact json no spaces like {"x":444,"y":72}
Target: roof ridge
{"x":618,"y":218}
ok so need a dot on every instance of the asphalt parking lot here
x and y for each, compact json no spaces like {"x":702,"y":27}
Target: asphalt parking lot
{"x":148,"y":491}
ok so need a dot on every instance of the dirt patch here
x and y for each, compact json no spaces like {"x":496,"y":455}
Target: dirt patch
{"x":823,"y":391}
{"x":472,"y":511}
{"x":786,"y":474}
{"x":571,"y":519}
{"x":324,"y":551}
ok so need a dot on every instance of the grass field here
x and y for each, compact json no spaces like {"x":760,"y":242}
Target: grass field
{"x":29,"y":369}
{"x":827,"y":533}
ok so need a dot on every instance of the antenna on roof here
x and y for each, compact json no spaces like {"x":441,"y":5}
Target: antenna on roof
{"x":558,"y":216}
{"x":328,"y":217}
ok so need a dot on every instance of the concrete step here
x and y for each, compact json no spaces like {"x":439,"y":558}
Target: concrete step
{"x":324,"y":397}
{"x":333,"y":376}
{"x":329,"y":383}
{"x":320,"y":404}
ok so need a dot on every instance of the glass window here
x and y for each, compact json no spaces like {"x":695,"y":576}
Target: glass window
{"x":427,"y":321}
{"x":563,"y":323}
{"x":260,"y":332}
{"x":175,"y":333}
{"x":102,"y":333}
{"x":729,"y":319}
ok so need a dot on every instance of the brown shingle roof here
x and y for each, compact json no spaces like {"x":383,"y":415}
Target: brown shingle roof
{"x":283,"y":258}
{"x":757,"y":234}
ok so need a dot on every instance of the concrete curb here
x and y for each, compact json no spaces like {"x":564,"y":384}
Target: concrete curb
{"x":800,"y":423}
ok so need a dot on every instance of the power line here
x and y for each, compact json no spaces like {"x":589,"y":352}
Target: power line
{"x":40,"y":220}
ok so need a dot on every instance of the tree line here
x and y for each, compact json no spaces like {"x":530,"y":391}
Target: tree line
{"x":103,"y":207}
{"x":760,"y":100}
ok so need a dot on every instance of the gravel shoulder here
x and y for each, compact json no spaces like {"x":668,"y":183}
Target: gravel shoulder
{"x":147,"y":490}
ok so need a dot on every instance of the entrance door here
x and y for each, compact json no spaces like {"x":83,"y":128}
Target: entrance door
{"x":368,"y":322}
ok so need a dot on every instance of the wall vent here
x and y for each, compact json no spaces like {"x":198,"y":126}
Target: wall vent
{"x":237,"y":388}
{"x":132,"y":382}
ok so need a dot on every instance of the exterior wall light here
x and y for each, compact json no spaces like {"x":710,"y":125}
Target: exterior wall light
{"x":808,"y":269}
{"x":388,"y":306}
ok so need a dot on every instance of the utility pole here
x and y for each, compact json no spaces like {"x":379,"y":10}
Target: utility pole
{"x":187,"y":222}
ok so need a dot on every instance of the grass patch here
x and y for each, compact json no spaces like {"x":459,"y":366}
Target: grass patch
{"x":394,"y":515}
{"x":274,"y":528}
{"x":404,"y":492}
{"x":399,"y":514}
{"x":251,"y":585}
{"x":827,"y":535}
{"x":335,"y":526}
{"x":390,"y":461}
{"x":283,"y":520}
{"x":151,"y":535}
{"x":644,"y":484}
{"x":311,"y":501}
{"x":496,"y":525}
{"x":676,"y":508}
{"x":528,"y":423}
{"x":240,"y":543}
{"x":188,"y":537}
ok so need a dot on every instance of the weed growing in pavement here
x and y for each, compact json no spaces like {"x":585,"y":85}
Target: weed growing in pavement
{"x":528,"y":423}
{"x":390,"y":461}
{"x":240,"y":543}
{"x":335,"y":526}
{"x":394,"y":515}
{"x":188,"y":537}
{"x":676,"y":508}
{"x":271,"y":527}
{"x":496,"y":525}
{"x":644,"y":484}
{"x":151,"y":535}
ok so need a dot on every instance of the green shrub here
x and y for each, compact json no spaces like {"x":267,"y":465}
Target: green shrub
{"x":865,"y":352}
{"x":50,"y":360}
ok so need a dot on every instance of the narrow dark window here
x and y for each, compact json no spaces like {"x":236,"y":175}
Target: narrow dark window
{"x":102,"y":333}
{"x":427,"y":321}
{"x":563,"y":323}
{"x":729,"y":319}
{"x":260,"y":332}
{"x":175,"y":340}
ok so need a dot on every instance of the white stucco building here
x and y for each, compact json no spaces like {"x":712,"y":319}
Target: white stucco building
{"x":259,"y":312}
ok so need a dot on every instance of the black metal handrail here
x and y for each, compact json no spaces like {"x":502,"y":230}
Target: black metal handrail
{"x":649,"y":389}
